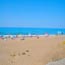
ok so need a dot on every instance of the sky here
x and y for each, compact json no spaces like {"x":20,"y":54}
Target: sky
{"x":32,"y":13}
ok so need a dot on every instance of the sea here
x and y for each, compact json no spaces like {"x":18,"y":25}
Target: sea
{"x":33,"y":31}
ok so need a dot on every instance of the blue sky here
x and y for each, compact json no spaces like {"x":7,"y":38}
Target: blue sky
{"x":32,"y":13}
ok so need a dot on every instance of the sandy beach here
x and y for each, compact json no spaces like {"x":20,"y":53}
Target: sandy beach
{"x":32,"y":50}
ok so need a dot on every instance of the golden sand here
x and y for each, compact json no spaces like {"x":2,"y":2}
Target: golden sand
{"x":32,"y":50}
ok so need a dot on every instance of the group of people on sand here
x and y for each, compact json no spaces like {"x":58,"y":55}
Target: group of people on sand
{"x":23,"y":36}
{"x":19,"y":36}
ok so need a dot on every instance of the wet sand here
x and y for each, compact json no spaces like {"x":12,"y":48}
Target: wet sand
{"x":32,"y":50}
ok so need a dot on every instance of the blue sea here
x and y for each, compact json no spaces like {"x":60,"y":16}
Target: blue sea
{"x":25,"y":31}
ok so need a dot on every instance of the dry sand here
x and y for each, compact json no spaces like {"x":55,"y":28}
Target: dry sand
{"x":32,"y":50}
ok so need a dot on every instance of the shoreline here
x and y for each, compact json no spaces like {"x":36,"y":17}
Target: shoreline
{"x":34,"y":35}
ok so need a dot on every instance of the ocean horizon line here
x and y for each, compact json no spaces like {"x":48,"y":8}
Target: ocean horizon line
{"x":37,"y":27}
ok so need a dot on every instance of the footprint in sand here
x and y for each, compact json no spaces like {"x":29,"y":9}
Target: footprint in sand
{"x":23,"y":53}
{"x":27,"y":50}
{"x":13,"y":55}
{"x":11,"y":61}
